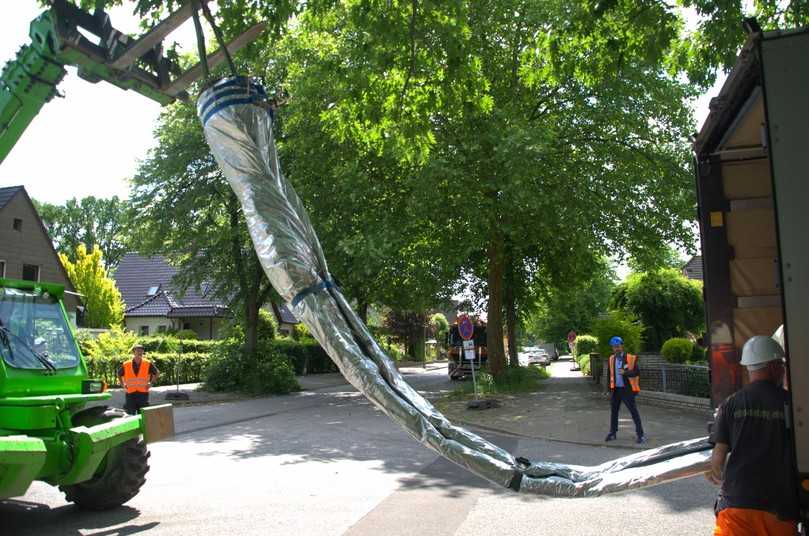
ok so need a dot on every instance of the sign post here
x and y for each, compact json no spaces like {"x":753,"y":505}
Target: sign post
{"x":466,"y":329}
{"x":571,"y":342}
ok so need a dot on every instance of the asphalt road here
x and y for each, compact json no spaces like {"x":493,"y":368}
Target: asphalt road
{"x":329,"y":463}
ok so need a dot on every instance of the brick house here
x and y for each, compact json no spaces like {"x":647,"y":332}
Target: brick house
{"x":26,"y":250}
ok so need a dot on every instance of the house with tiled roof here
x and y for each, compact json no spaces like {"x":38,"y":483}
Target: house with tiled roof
{"x":693,"y":268}
{"x":26,"y":250}
{"x":153,"y":304}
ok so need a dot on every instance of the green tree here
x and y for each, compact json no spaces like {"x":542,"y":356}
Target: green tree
{"x":186,"y":211}
{"x":491,"y":139}
{"x":575,"y":306}
{"x":655,"y":258}
{"x":104,"y":307}
{"x":409,"y":328}
{"x":668,"y":304}
{"x":92,"y":221}
{"x":620,"y":324}
{"x":510,"y":143}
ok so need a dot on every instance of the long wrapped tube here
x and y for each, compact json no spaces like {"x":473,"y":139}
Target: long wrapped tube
{"x":238,"y":128}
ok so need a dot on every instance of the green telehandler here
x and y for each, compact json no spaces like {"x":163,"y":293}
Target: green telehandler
{"x":49,"y":430}
{"x":53,"y":424}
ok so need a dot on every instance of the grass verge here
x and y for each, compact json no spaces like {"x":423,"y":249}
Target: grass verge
{"x":513,"y":380}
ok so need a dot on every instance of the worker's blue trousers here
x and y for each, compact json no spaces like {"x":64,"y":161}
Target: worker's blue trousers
{"x":627,"y":396}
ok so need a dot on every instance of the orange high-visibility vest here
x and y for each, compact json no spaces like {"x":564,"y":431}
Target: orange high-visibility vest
{"x":631,"y":361}
{"x":137,"y":383}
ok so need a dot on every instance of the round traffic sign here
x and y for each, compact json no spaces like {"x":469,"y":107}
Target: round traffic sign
{"x":466,"y":328}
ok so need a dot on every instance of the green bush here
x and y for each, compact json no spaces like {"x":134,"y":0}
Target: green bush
{"x":584,"y":363}
{"x":159,"y":344}
{"x":267,"y":371}
{"x":187,"y":334}
{"x":677,"y":350}
{"x":622,"y":324}
{"x":113,"y":343}
{"x":699,"y":355}
{"x":668,"y":303}
{"x":300,"y":332}
{"x":586,"y":344}
{"x":306,"y":356}
{"x":267,"y":328}
{"x":186,"y":346}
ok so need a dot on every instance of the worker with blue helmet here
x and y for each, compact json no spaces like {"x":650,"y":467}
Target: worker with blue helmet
{"x":624,"y":385}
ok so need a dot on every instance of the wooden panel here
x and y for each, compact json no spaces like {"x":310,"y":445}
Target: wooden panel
{"x":746,"y":179}
{"x":754,"y":277}
{"x":755,"y":321}
{"x":158,"y":422}
{"x":751,"y":233}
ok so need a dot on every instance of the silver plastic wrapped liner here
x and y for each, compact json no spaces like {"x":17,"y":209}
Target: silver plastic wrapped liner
{"x":237,"y":122}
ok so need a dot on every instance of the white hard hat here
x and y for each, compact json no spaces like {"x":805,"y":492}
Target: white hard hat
{"x":778,"y":336}
{"x":760,"y":350}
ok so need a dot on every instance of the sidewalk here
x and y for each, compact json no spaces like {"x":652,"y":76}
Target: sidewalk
{"x":571,"y":409}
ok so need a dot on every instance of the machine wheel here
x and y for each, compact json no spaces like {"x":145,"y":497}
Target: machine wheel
{"x":119,"y":478}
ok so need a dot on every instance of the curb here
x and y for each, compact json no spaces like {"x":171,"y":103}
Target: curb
{"x":552,"y":439}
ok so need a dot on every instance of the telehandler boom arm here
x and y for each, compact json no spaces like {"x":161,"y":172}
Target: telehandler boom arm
{"x":31,"y":79}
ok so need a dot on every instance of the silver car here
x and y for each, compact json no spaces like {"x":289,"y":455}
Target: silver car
{"x":538,"y":356}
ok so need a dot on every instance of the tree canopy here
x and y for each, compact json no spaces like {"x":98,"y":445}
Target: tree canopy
{"x":104,"y":307}
{"x":511,"y":140}
{"x":186,"y":211}
{"x":668,"y":304}
{"x":91,"y":221}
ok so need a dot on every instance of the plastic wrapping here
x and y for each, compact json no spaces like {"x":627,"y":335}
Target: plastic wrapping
{"x":238,"y":128}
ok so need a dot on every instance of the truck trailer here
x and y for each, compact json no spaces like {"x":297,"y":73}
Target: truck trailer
{"x":752,"y":172}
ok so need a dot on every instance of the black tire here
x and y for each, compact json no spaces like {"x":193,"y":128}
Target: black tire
{"x":120,"y":476}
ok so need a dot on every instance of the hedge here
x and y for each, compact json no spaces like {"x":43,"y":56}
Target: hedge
{"x":197,"y":358}
{"x":306,"y":356}
{"x":191,"y":367}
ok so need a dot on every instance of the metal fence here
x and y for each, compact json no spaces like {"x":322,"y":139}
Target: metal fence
{"x":658,"y":375}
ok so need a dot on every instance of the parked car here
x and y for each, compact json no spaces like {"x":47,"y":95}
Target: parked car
{"x":551,"y":349}
{"x":539,"y":356}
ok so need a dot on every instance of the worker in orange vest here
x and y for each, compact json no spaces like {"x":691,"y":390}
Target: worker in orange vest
{"x":625,"y":385}
{"x":137,"y":375}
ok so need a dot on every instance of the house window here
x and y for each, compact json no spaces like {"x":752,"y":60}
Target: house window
{"x":161,"y":329}
{"x":152,"y":290}
{"x":17,"y":224}
{"x":186,"y":325}
{"x":2,"y":268}
{"x":30,"y":272}
{"x":144,"y":331}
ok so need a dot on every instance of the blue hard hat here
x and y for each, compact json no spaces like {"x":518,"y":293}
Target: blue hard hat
{"x":616,"y":340}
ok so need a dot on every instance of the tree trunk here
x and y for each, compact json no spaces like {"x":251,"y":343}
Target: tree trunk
{"x":416,"y":338}
{"x":362,"y":311}
{"x":511,"y":316}
{"x":494,"y":325}
{"x":251,"y":308}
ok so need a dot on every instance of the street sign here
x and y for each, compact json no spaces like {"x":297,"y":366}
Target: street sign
{"x":571,"y":337}
{"x":466,"y":328}
{"x":469,"y":350}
